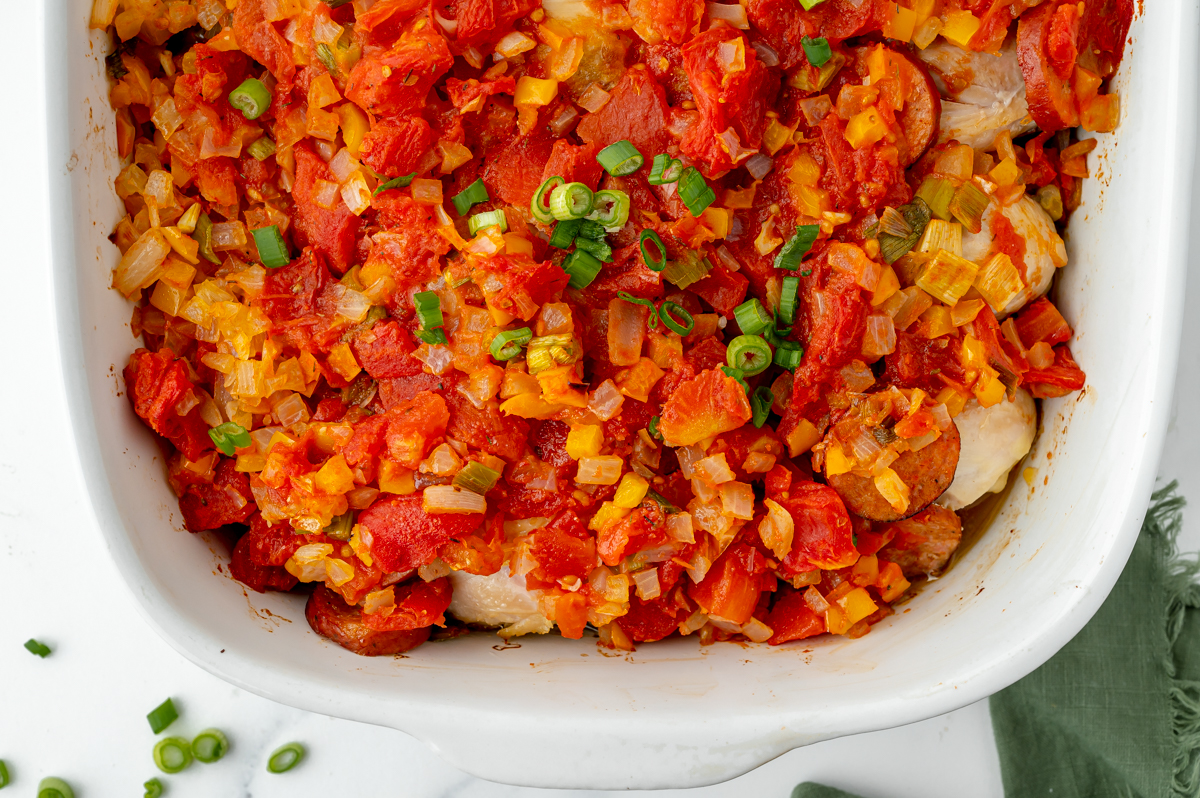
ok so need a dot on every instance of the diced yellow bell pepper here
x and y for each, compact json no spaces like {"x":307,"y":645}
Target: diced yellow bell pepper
{"x":899,"y":22}
{"x":959,"y":27}
{"x":335,"y":477}
{"x":341,"y":359}
{"x":535,"y":91}
{"x":1005,"y":173}
{"x":836,"y":461}
{"x":888,"y":284}
{"x":804,"y":171}
{"x":865,"y":128}
{"x":955,"y":401}
{"x":802,"y":438}
{"x":857,"y":605}
{"x":395,"y":478}
{"x":988,"y":388}
{"x":638,"y":380}
{"x":584,"y":440}
{"x":355,"y":126}
{"x":607,"y":513}
{"x":529,"y":405}
{"x":631,"y":491}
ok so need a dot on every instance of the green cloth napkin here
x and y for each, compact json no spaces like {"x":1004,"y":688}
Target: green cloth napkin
{"x":1116,"y":712}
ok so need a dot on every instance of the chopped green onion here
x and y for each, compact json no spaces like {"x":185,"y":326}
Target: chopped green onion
{"x":3,"y":773}
{"x":809,"y":5}
{"x":488,"y":219}
{"x":610,"y":208}
{"x":776,"y":335}
{"x":620,"y":158}
{"x":565,"y":233}
{"x":404,"y":181}
{"x":591,"y":229}
{"x":285,"y":758}
{"x":901,"y":229}
{"x":210,"y":745}
{"x":937,"y":192}
{"x":652,"y":428}
{"x":202,"y":235}
{"x":688,"y":269}
{"x":172,"y":754}
{"x":54,"y":787}
{"x":162,"y":716}
{"x":34,"y":647}
{"x":750,"y":354}
{"x":760,"y":405}
{"x":653,"y":264}
{"x":434,"y":336}
{"x":429,"y":309}
{"x":471,"y":195}
{"x":664,"y":169}
{"x":262,"y":148}
{"x":539,"y":206}
{"x":272,"y":249}
{"x":797,"y":247}
{"x":752,"y":317}
{"x":228,"y":437}
{"x":683,"y":327}
{"x":651,"y":322}
{"x":968,"y":206}
{"x":737,"y":375}
{"x":1050,"y":198}
{"x":476,"y":477}
{"x":695,"y":191}
{"x":339,"y":529}
{"x":325,"y":56}
{"x":251,"y":98}
{"x":582,"y":267}
{"x":154,"y":789}
{"x":788,"y":295}
{"x":335,"y":3}
{"x":816,"y":51}
{"x":788,"y":355}
{"x":571,"y":201}
{"x":600,"y":249}
{"x":508,"y":343}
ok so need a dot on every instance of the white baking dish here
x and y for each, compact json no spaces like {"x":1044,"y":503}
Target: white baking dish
{"x":560,"y":713}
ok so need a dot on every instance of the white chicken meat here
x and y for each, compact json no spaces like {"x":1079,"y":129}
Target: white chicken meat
{"x":982,"y":93}
{"x":1044,"y":248}
{"x":499,"y":600}
{"x":993,"y":440}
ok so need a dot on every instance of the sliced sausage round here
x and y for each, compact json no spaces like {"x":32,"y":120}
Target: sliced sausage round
{"x":331,"y":617}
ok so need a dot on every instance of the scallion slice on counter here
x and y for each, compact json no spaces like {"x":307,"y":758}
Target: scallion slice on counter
{"x":35,"y":647}
{"x":682,"y":327}
{"x":653,"y":264}
{"x":752,"y":317}
{"x":539,"y":206}
{"x":797,"y":247}
{"x":251,"y":98}
{"x":272,"y":249}
{"x":788,"y":355}
{"x":476,"y":477}
{"x":210,"y":745}
{"x":164,"y":714}
{"x":571,"y":201}
{"x":760,"y":405}
{"x":54,"y":787}
{"x":664,"y":169}
{"x":610,"y":208}
{"x":620,"y":158}
{"x":695,"y":191}
{"x":469,"y":196}
{"x":172,"y":754}
{"x":154,"y":789}
{"x":488,"y":219}
{"x":285,"y":757}
{"x":749,"y":354}
{"x":582,"y":267}
{"x":508,"y":343}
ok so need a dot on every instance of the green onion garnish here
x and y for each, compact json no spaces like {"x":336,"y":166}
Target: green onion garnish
{"x":162,"y":716}
{"x":737,"y":375}
{"x":433,"y":337}
{"x":228,"y":437}
{"x":210,"y":745}
{"x":591,"y":229}
{"x":251,"y":98}
{"x":54,"y":787}
{"x":600,"y":249}
{"x":272,"y":249}
{"x":652,"y":428}
{"x":938,"y":192}
{"x":202,"y":235}
{"x":582,"y":267}
{"x":695,"y":191}
{"x":262,"y":148}
{"x":816,"y":51}
{"x":396,"y":182}
{"x":809,"y":5}
{"x":539,"y":206}
{"x":471,"y":195}
{"x":610,"y":208}
{"x":788,"y":355}
{"x":565,"y":233}
{"x":508,"y":343}
{"x":788,"y":295}
{"x":339,"y":529}
{"x":760,"y":405}
{"x":652,"y":321}
{"x":154,"y":789}
{"x":285,"y":758}
{"x":752,"y":317}
{"x":476,"y":477}
{"x":620,"y":158}
{"x":325,"y":56}
{"x":429,"y":309}
{"x":688,"y":269}
{"x":968,"y":206}
{"x":749,"y":354}
{"x":900,"y":229}
{"x":35,"y":647}
{"x":571,"y":201}
{"x":3,"y":773}
{"x":654,"y":265}
{"x":664,"y":169}
{"x":797,"y":247}
{"x":489,"y":219}
{"x":172,"y":754}
{"x":678,"y":327}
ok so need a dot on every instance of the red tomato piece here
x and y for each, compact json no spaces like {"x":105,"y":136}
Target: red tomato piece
{"x":404,"y":536}
{"x":563,"y":548}
{"x":217,"y":180}
{"x":637,"y":112}
{"x":409,"y":243}
{"x":708,"y":405}
{"x":574,"y":163}
{"x":626,"y":273}
{"x":257,"y":577}
{"x":399,"y":390}
{"x":331,"y":232}
{"x":652,"y":620}
{"x":468,"y":95}
{"x":418,"y":604}
{"x":666,"y":20}
{"x":1060,"y":379}
{"x":858,"y":180}
{"x":733,"y":584}
{"x":823,"y":536}
{"x":385,"y":351}
{"x":226,"y":500}
{"x":258,"y":38}
{"x":917,"y":363}
{"x":300,"y":300}
{"x":394,"y":147}
{"x":270,"y":544}
{"x":413,"y":425}
{"x":643,"y":528}
{"x":155,"y":382}
{"x":482,"y":22}
{"x":512,"y":172}
{"x":570,"y":613}
{"x":398,"y":81}
{"x":722,"y":288}
{"x":792,"y":619}
{"x":1040,"y":321}
{"x":485,"y":428}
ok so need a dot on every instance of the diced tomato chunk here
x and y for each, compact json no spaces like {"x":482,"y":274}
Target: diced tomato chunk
{"x":398,"y":81}
{"x":792,"y":619}
{"x":733,"y":584}
{"x":404,"y":536}
{"x":257,"y":577}
{"x":155,"y":383}
{"x":723,"y":289}
{"x":418,"y":604}
{"x":700,"y":408}
{"x":394,"y":147}
{"x":226,"y":500}
{"x":1059,"y":379}
{"x":563,"y":548}
{"x":258,"y":37}
{"x":333,"y":233}
{"x":1041,"y":322}
{"x":385,"y":351}
{"x":823,"y":536}
{"x":271,"y":544}
{"x":637,"y":112}
{"x":652,"y":620}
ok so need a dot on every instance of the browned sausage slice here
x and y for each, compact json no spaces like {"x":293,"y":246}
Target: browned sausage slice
{"x":1051,"y":101}
{"x":922,"y":545}
{"x":332,"y":617}
{"x":922,"y":104}
{"x":927,"y":474}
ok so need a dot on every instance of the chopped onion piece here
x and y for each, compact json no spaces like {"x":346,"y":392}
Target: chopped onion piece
{"x":777,"y":529}
{"x":757,"y":631}
{"x":647,"y":584}
{"x":863,"y":446}
{"x":449,"y":499}
{"x":759,"y":165}
{"x":687,"y":456}
{"x":737,"y":500}
{"x":679,"y":528}
{"x":732,"y":13}
{"x":594,"y":98}
{"x":725,"y":625}
{"x":815,"y":601}
{"x":600,"y":470}
{"x":450,"y":26}
{"x":715,"y":469}
{"x":606,"y":400}
{"x":626,"y":331}
{"x":514,"y":43}
{"x":522,"y":525}
{"x":694,"y":622}
{"x":766,"y":54}
{"x":139,"y":266}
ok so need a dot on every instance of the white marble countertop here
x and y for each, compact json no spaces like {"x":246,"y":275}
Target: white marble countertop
{"x":80,"y":714}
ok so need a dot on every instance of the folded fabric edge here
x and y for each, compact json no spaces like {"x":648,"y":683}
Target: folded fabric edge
{"x":1164,"y":520}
